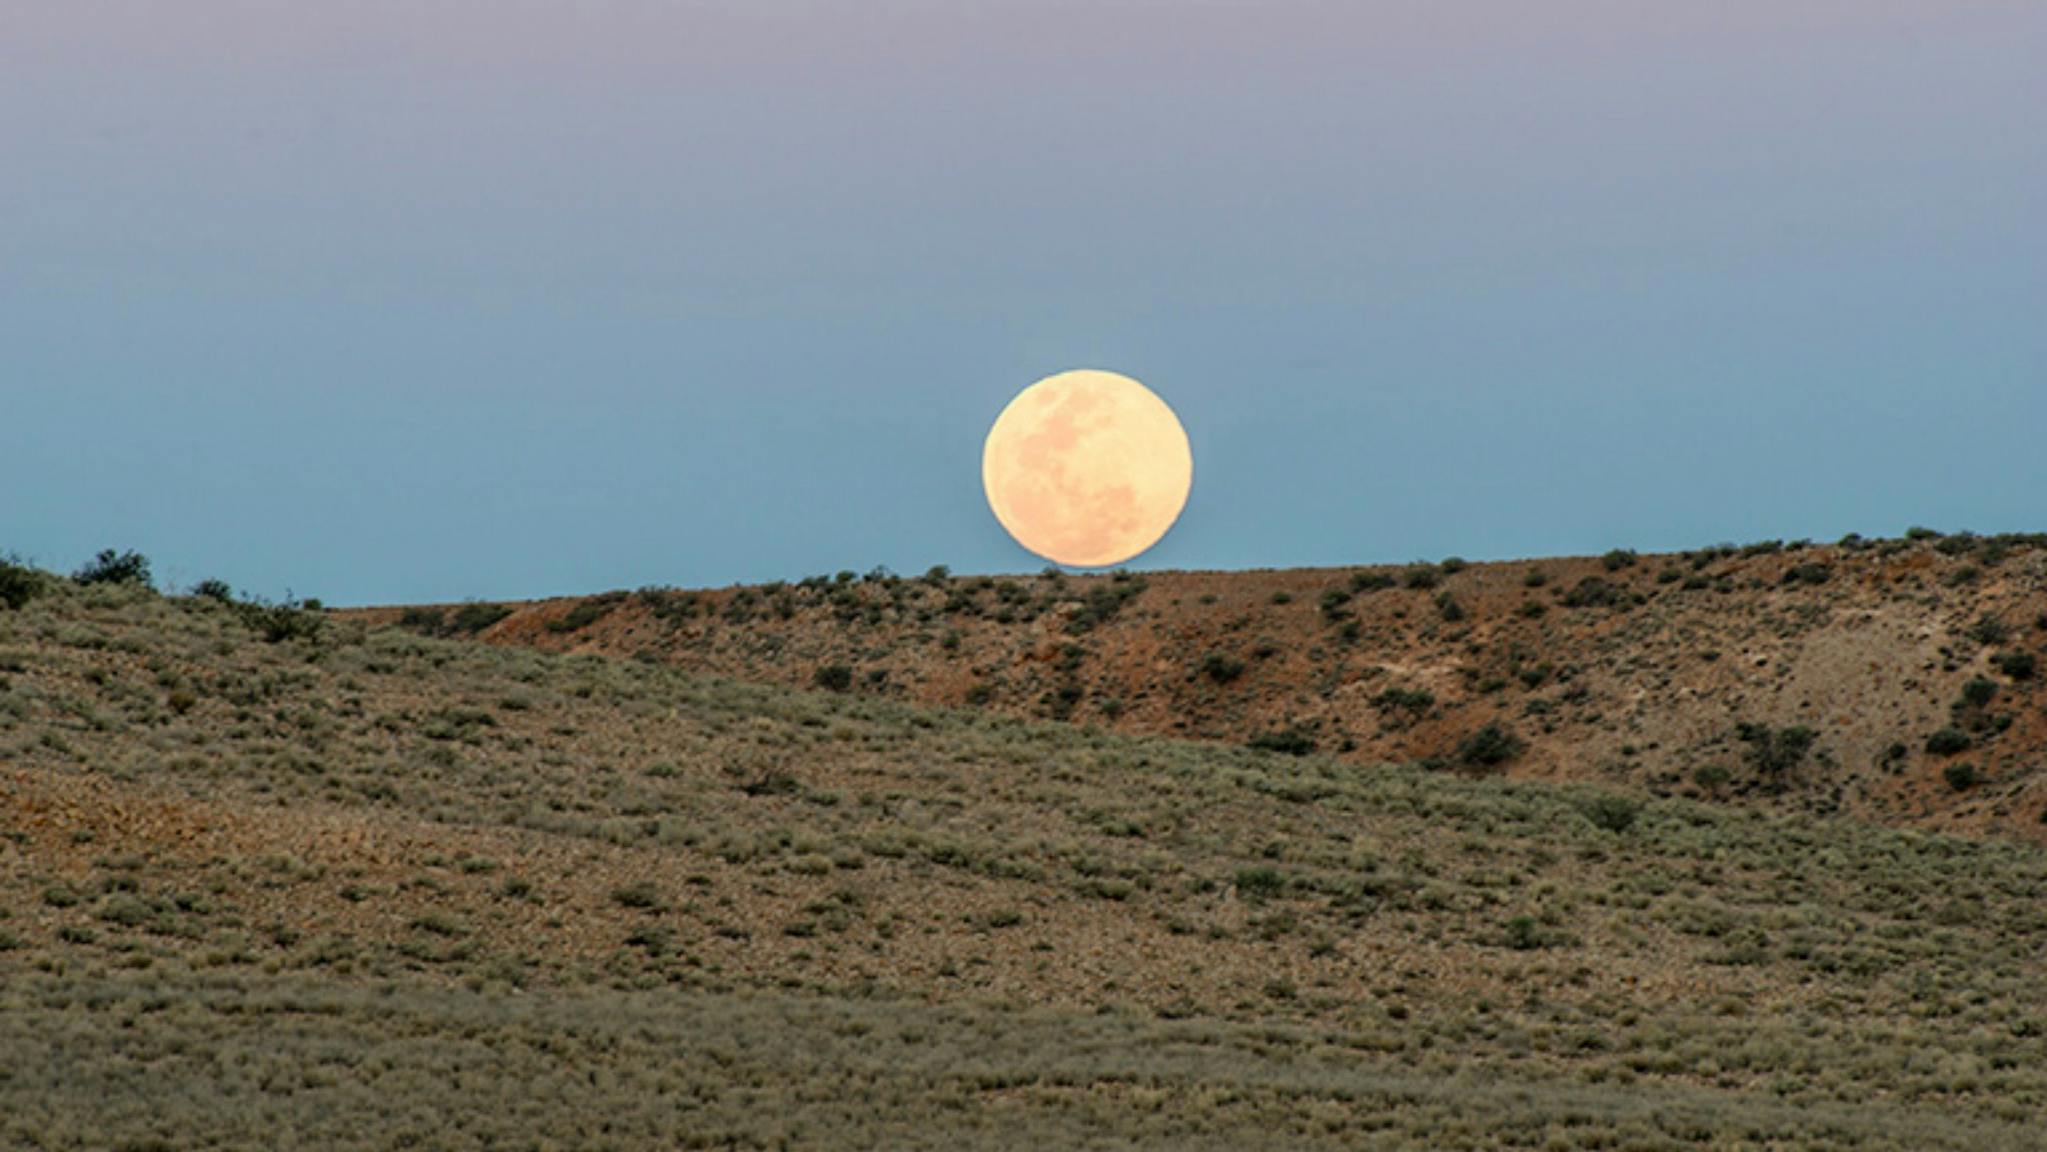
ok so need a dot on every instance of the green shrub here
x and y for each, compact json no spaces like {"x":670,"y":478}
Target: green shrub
{"x":1978,"y":693}
{"x":1490,"y":747}
{"x":833,"y":678}
{"x":1776,"y":752}
{"x":1260,"y":883}
{"x":1405,"y":699}
{"x":474,"y":617}
{"x":19,"y":584}
{"x":1371,"y":581}
{"x":1813,"y":573}
{"x":1422,"y":576}
{"x":1221,"y":668}
{"x":1618,"y":559}
{"x":1948,"y":742}
{"x":1613,"y":813}
{"x":215,"y":590}
{"x":1960,"y":777}
{"x":289,"y":620}
{"x":1712,"y":777}
{"x":1293,"y":741}
{"x":1523,"y":934}
{"x":1452,"y":565}
{"x":111,"y":567}
{"x":586,"y":613}
{"x":1104,"y":602}
{"x":642,"y":896}
{"x":426,"y":621}
{"x":1592,"y":592}
{"x":1449,"y":608}
{"x":1989,"y":631}
{"x":2017,"y":665}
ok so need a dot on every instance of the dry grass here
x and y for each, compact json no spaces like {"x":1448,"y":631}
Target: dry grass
{"x":1640,"y":670}
{"x":374,"y":890}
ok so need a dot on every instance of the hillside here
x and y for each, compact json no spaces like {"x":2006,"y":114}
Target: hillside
{"x":1890,"y":680}
{"x":272,"y":880}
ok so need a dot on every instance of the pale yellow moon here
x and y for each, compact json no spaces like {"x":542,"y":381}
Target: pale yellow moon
{"x":1087,"y":469}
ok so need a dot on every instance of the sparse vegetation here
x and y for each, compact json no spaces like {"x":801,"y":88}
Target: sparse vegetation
{"x":365,"y":915}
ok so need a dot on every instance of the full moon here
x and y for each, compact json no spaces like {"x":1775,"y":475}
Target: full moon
{"x":1087,"y":469}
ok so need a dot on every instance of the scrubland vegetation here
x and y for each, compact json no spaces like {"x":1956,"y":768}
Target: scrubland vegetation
{"x":1892,"y":680}
{"x":318,"y":884}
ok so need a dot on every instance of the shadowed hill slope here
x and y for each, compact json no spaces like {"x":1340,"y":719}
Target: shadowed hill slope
{"x":1895,"y":681}
{"x":263,"y":876}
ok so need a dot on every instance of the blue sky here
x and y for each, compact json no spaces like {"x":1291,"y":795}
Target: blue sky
{"x":418,"y":302}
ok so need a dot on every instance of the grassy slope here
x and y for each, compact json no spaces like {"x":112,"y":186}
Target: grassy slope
{"x":376,"y":889}
{"x":1637,"y":670}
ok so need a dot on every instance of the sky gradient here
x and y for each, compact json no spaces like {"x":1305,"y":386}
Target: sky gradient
{"x":389,"y":301}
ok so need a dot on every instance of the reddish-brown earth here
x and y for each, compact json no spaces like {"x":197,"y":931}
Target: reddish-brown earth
{"x":1637,"y":670}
